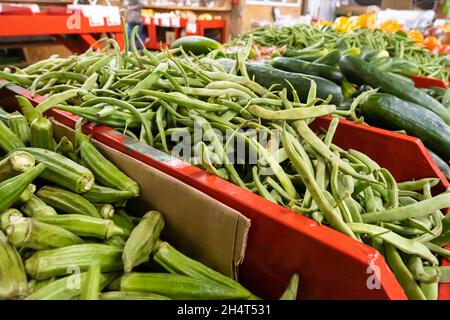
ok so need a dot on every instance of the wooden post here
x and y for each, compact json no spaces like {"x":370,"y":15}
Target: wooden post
{"x":397,"y":4}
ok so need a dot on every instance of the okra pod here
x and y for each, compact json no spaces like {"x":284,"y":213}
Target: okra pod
{"x":100,"y":194}
{"x":131,"y":295}
{"x":67,"y":201}
{"x":13,"y":280}
{"x":104,"y":170}
{"x":9,"y":141}
{"x":11,"y":189}
{"x":41,"y":134}
{"x":15,"y":163}
{"x":90,"y":288}
{"x":84,"y":226}
{"x":8,"y":216}
{"x":35,"y":207}
{"x":62,"y":170}
{"x":175,"y":262}
{"x":68,"y":287}
{"x":19,"y":125}
{"x":57,"y":262}
{"x":30,"y":233}
{"x":178,"y":286}
{"x":142,"y":240}
{"x":26,"y":194}
{"x":105,"y":210}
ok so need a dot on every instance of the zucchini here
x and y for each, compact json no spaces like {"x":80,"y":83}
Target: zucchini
{"x":305,"y":67}
{"x":360,"y":72}
{"x":268,"y":76}
{"x":197,"y":44}
{"x":442,"y":165}
{"x":392,"y":113}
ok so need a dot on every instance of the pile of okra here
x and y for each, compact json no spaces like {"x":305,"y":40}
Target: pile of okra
{"x":154,"y":97}
{"x":65,"y":232}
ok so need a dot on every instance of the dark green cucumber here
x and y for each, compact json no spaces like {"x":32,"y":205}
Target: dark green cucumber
{"x":268,"y":76}
{"x":392,"y":113}
{"x":330,"y":59}
{"x":196,"y":44}
{"x":404,"y":67}
{"x":442,"y":165}
{"x":360,"y":72}
{"x":305,"y":67}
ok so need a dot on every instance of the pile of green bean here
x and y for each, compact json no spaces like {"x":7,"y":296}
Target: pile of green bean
{"x":156,"y":97}
{"x":397,"y":44}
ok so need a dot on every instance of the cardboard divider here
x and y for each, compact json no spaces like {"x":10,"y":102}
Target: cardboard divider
{"x":196,"y":224}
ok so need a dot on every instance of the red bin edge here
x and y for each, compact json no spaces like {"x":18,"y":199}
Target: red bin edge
{"x":330,"y":264}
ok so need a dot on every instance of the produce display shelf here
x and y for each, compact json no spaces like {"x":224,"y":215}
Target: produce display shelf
{"x":57,"y":23}
{"x":194,"y":28}
{"x":330,"y":264}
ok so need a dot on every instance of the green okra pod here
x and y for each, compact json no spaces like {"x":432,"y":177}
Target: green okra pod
{"x":41,"y":134}
{"x":15,"y":163}
{"x":8,"y":216}
{"x":67,"y":201}
{"x":35,"y":207}
{"x":131,"y":295}
{"x":100,"y":194}
{"x":9,"y":141}
{"x":142,"y":240}
{"x":84,"y":226}
{"x":178,"y":286}
{"x":176,"y":262}
{"x":105,"y":210}
{"x":90,"y":288}
{"x":19,"y":125}
{"x":58,"y":262}
{"x":11,"y":189}
{"x":13,"y":280}
{"x":30,"y":233}
{"x":104,"y":170}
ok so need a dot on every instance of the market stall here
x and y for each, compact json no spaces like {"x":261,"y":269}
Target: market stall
{"x":301,"y":161}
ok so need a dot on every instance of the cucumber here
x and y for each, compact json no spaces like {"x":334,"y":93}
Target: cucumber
{"x":267,"y":76}
{"x":442,"y":165}
{"x":392,"y":113}
{"x":331,"y":58}
{"x":197,"y":44}
{"x":305,"y":67}
{"x":360,"y":72}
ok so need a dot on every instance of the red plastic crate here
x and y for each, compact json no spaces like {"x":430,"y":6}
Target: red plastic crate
{"x":330,"y":264}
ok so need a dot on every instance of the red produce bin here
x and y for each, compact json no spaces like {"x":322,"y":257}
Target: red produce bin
{"x":330,"y":264}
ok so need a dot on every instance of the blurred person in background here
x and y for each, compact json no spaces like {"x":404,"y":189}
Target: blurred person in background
{"x":133,"y":17}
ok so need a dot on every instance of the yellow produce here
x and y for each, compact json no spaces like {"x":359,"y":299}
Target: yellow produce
{"x":390,"y":26}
